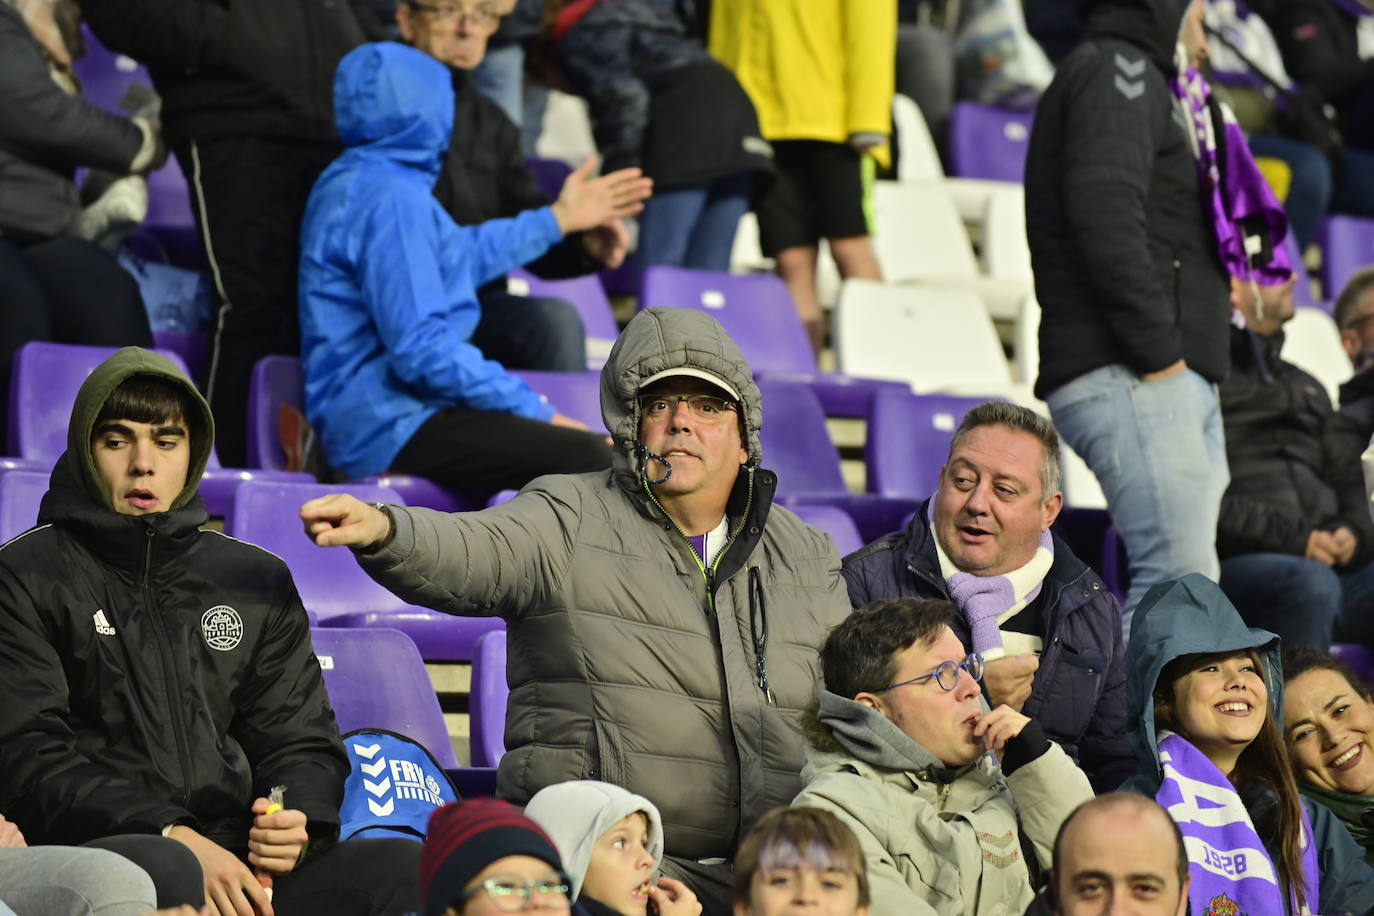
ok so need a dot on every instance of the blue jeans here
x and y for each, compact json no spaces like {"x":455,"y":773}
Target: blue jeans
{"x":501,"y":77}
{"x":1302,"y":601}
{"x":531,"y":332}
{"x":693,"y":227}
{"x":1158,"y":451}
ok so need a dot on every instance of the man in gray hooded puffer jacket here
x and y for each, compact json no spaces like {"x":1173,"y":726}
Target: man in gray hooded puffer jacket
{"x":664,"y":617}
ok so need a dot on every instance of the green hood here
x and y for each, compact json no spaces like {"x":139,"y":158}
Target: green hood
{"x":671,"y":338}
{"x":1184,"y":617}
{"x":96,"y":390}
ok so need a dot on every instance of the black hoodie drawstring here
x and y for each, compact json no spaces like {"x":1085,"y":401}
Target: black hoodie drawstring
{"x":643,"y":451}
{"x":758,"y":628}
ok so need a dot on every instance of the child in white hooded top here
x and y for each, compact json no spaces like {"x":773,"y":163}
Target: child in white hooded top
{"x":611,"y":842}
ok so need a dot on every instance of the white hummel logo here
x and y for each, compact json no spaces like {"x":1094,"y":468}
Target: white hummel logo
{"x":102,"y":626}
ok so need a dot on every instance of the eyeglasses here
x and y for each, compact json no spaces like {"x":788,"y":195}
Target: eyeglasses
{"x":484,"y":17}
{"x":512,"y":894}
{"x":946,"y":674}
{"x":706,"y":407}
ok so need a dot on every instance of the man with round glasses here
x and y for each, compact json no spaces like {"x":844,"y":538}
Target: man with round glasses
{"x":663,"y":616}
{"x":946,"y":796}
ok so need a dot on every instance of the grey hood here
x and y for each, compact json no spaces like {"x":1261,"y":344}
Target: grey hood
{"x":670,"y":338}
{"x":575,"y":814}
{"x":870,"y":736}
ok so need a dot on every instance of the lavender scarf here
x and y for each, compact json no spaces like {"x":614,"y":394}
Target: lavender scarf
{"x":1228,"y":862}
{"x":1249,"y":221}
{"x":986,"y":601}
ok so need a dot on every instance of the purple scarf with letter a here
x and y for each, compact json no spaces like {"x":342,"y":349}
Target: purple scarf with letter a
{"x":1250,"y":222}
{"x":1232,"y":872}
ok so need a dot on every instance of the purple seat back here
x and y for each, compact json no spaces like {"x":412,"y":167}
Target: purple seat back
{"x":796,"y":443}
{"x":376,"y":679}
{"x":329,"y":580}
{"x":487,"y":700}
{"x":1347,"y":246}
{"x":191,"y":346}
{"x":755,"y":309}
{"x":988,"y":142}
{"x":43,"y":385}
{"x":584,"y":293}
{"x":20,"y":494}
{"x":575,"y":394}
{"x":1302,"y":289}
{"x":276,"y":381}
{"x":549,"y":174}
{"x":835,"y":522}
{"x":908,"y":440}
{"x":1359,"y":658}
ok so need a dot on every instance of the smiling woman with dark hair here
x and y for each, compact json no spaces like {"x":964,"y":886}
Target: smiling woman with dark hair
{"x":1328,"y":714}
{"x":1206,"y":694}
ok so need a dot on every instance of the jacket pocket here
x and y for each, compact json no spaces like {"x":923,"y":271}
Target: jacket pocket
{"x":610,"y":755}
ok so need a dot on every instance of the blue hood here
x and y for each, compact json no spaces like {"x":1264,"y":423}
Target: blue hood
{"x":1185,"y":617}
{"x":394,"y":101}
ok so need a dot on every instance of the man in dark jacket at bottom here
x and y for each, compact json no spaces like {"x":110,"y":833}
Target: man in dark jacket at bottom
{"x":1048,"y":629}
{"x":1295,"y":535}
{"x":160,"y":677}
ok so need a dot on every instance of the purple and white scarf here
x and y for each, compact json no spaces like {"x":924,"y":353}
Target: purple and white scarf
{"x":1227,"y":860}
{"x":987,"y":601}
{"x":1244,"y":199}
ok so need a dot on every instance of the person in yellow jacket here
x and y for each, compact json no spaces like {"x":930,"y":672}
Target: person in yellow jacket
{"x":820,"y":73}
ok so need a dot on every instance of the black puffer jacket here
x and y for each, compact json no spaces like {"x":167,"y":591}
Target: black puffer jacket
{"x":485,"y":176}
{"x":232,"y":67}
{"x":1126,"y":269}
{"x":154,"y":672}
{"x":1079,"y":695}
{"x":1285,"y":463}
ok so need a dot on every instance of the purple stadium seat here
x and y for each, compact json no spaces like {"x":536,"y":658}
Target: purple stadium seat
{"x":376,"y":679}
{"x":797,"y":447}
{"x":1359,"y":658}
{"x":20,"y":494}
{"x":276,"y":381}
{"x":587,"y":295}
{"x":834,"y":522}
{"x":191,"y":346}
{"x":757,"y":311}
{"x":1302,"y":290}
{"x":575,"y":394}
{"x":549,"y":174}
{"x":331,"y":583}
{"x":487,"y":700}
{"x":43,"y":386}
{"x":1347,"y":245}
{"x":988,"y":143}
{"x":908,"y":440}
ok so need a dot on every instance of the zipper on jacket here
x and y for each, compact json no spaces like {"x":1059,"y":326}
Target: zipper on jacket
{"x":168,"y":665}
{"x":709,"y":574}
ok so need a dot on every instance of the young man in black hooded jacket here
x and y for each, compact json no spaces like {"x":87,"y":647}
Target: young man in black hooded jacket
{"x":159,"y":678}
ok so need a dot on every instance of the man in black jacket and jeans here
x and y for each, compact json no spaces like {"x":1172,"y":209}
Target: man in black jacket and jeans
{"x":1295,"y":535}
{"x":1133,"y":338}
{"x":159,"y":678}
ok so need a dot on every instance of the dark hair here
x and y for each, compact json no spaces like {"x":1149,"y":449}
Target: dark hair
{"x":1344,"y":310}
{"x":1264,"y":760}
{"x":1302,"y":659}
{"x":860,"y":654}
{"x":1020,"y":419}
{"x":1119,"y":800}
{"x":810,"y":836}
{"x":150,"y":399}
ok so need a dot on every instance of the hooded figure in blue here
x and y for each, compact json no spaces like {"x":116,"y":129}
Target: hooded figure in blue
{"x":1192,"y":616}
{"x":388,"y":281}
